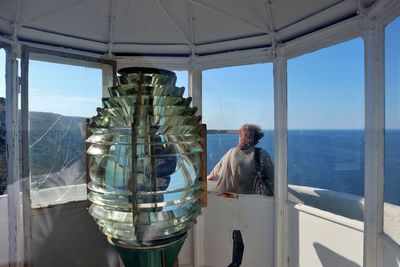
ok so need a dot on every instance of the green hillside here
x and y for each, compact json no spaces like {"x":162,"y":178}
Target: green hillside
{"x":57,"y":149}
{"x":57,"y":145}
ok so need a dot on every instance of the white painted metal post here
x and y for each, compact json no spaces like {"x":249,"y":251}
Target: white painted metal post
{"x":374,"y":138}
{"x":13,"y":177}
{"x":25,"y":183}
{"x":280,"y":100}
{"x":108,"y":74}
{"x":195,"y":91}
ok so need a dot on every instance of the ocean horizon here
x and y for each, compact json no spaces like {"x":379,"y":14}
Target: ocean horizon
{"x":326,"y":159}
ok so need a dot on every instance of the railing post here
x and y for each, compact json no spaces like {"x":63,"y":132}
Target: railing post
{"x":280,"y":104}
{"x":25,"y":183}
{"x":13,"y":174}
{"x":374,"y":139}
{"x":195,"y":91}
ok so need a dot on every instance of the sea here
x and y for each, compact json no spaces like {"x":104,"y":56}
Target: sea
{"x":326,"y":159}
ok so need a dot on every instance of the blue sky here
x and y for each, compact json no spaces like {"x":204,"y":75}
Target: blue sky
{"x":325,"y":89}
{"x":65,"y":89}
{"x":77,"y":93}
{"x":392,"y":77}
{"x":236,"y":95}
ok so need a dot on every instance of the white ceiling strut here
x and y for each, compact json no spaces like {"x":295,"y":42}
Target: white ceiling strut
{"x":361,"y":8}
{"x":362,"y":4}
{"x":111,"y":20}
{"x":226,"y":13}
{"x":15,"y":24}
{"x":192,"y":36}
{"x":177,"y":26}
{"x":373,"y":35}
{"x":367,"y":22}
{"x":271,"y":27}
{"x":121,"y":21}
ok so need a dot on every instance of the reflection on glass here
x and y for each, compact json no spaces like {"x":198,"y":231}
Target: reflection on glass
{"x":145,"y":159}
{"x":325,"y":129}
{"x":182,"y":80}
{"x":219,"y":143}
{"x":392,"y":132}
{"x":234,"y":96}
{"x":3,"y":158}
{"x":61,"y":97}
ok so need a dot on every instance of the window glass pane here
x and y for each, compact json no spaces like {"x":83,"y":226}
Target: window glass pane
{"x":3,"y":158}
{"x":392,"y":131}
{"x":182,"y":80}
{"x":232,"y":97}
{"x":61,"y":98}
{"x":325,"y":129}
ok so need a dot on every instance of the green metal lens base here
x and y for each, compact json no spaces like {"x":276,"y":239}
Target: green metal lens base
{"x":149,"y":256}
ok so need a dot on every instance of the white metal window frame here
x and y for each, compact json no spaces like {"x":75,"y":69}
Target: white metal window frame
{"x":50,"y":56}
{"x":393,"y":13}
{"x":15,"y":251}
{"x":46,"y":197}
{"x":374,"y":236}
{"x":369,"y":25}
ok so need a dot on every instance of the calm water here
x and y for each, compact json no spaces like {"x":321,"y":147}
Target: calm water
{"x":328,"y":159}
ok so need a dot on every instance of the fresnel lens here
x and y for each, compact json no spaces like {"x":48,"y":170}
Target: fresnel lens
{"x":145,"y":166}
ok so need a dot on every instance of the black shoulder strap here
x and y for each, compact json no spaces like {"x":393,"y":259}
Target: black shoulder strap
{"x":257,"y":157}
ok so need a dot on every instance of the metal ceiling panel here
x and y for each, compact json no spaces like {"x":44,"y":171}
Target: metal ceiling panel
{"x":212,"y":26}
{"x":148,"y":22}
{"x":5,"y":27}
{"x":8,"y":10}
{"x":179,"y":9}
{"x":329,"y":16}
{"x":169,"y":27}
{"x":87,"y":19}
{"x":253,"y":11}
{"x":260,"y":42}
{"x":288,"y":12}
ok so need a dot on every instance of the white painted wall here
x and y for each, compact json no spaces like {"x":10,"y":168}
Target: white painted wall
{"x":3,"y":231}
{"x":253,"y":216}
{"x":63,"y":235}
{"x":186,"y":257}
{"x":317,"y":238}
{"x":66,"y":235}
{"x":390,"y":253}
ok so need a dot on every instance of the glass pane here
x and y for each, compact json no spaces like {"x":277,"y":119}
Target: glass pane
{"x":3,"y":157}
{"x":392,"y":131}
{"x":232,"y":97}
{"x":325,"y":129}
{"x":61,"y":97}
{"x":182,"y":80}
